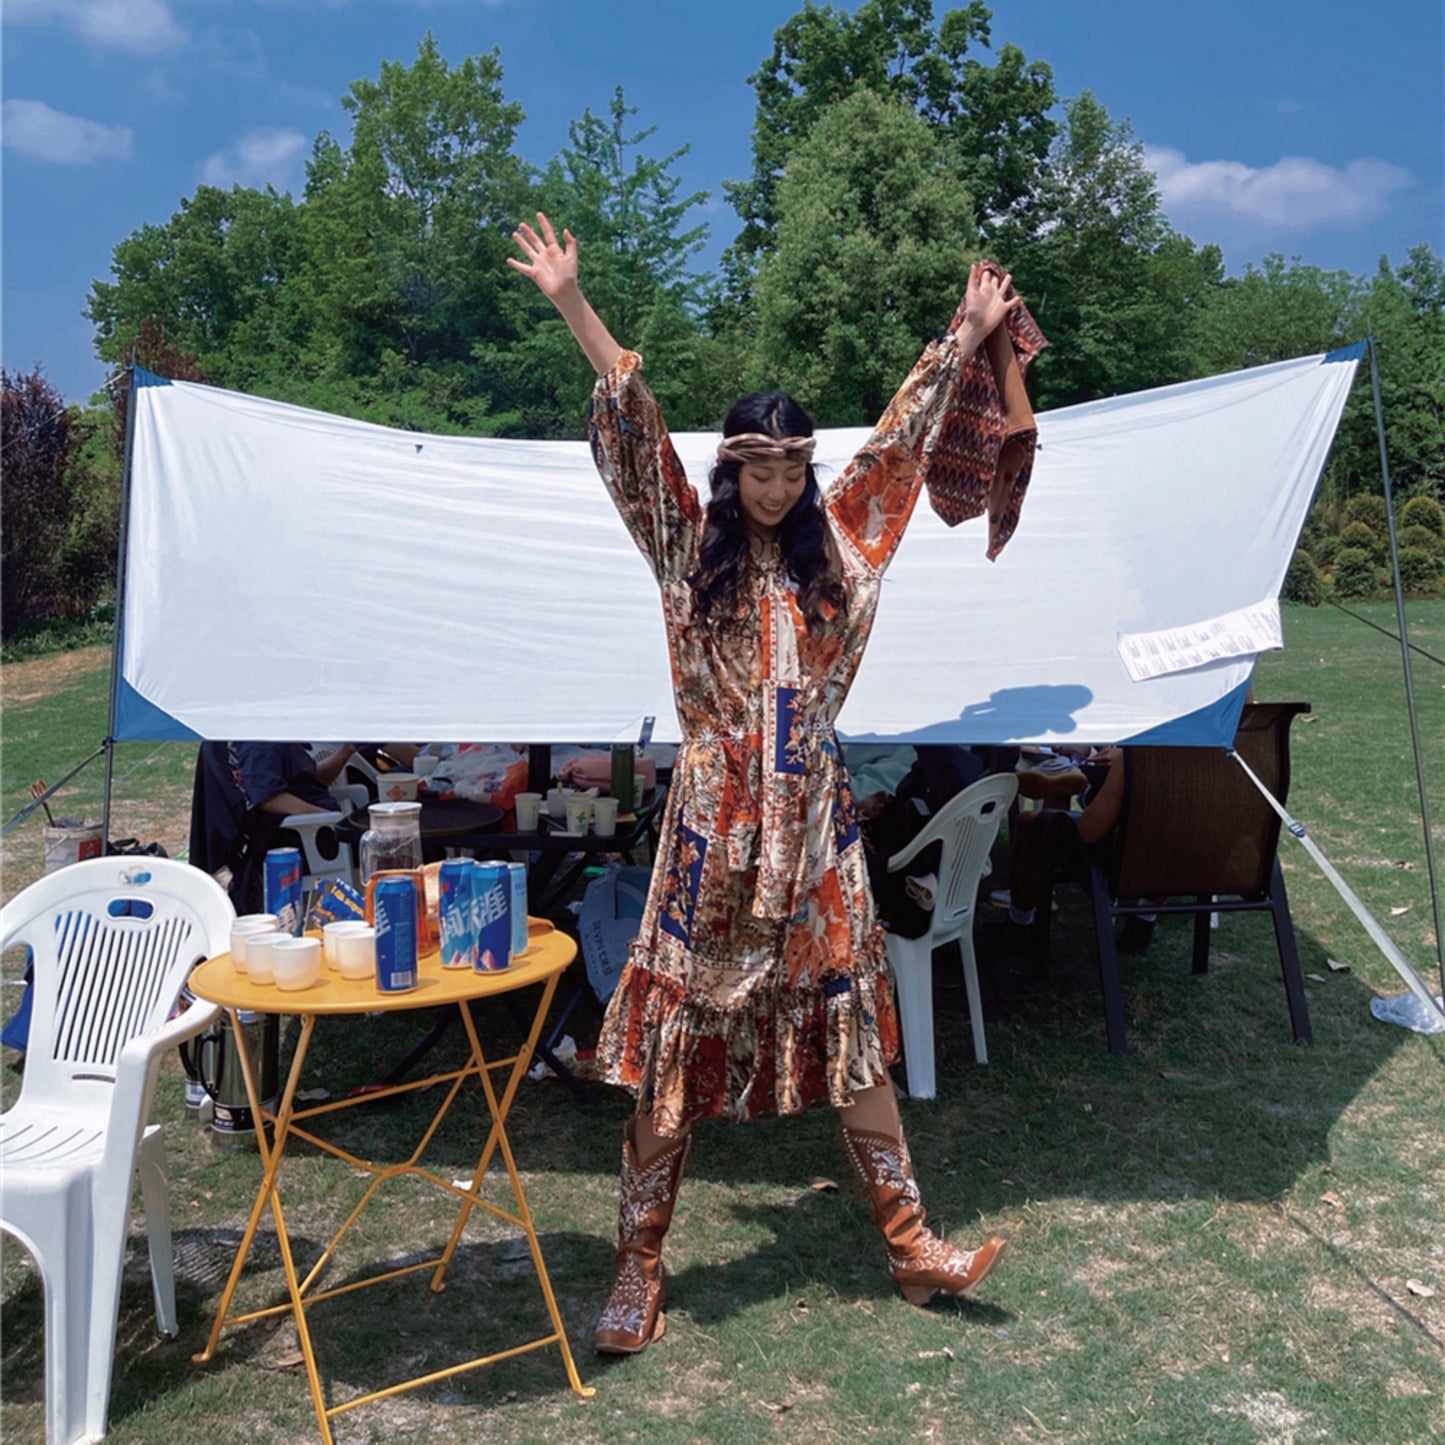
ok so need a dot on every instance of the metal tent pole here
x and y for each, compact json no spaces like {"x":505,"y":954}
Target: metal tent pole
{"x":1405,"y":659}
{"x":117,"y":630}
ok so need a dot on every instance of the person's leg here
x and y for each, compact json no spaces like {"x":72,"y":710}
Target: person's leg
{"x":652,"y":1163}
{"x":922,"y":1264}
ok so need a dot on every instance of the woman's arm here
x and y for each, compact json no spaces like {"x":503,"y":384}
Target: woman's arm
{"x":553,"y":267}
{"x":873,"y":499}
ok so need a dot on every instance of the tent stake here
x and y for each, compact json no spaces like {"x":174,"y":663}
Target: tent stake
{"x":1405,"y":658}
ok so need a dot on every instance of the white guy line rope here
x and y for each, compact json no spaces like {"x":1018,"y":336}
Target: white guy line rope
{"x":1382,"y":940}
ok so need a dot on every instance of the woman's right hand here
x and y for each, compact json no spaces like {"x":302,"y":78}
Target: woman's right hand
{"x":550,"y":263}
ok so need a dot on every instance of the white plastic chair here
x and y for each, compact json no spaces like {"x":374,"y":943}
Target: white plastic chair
{"x":113,"y":941}
{"x":966,"y":826}
{"x":323,"y":854}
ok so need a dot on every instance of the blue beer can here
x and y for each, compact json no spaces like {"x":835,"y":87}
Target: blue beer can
{"x":283,"y":888}
{"x":517,"y":901}
{"x":458,"y":927}
{"x":492,"y":915}
{"x":394,"y":906}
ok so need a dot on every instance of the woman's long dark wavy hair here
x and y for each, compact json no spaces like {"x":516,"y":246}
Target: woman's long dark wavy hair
{"x":803,"y":539}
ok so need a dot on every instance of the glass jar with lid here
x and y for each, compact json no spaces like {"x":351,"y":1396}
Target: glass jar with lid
{"x":392,"y":842}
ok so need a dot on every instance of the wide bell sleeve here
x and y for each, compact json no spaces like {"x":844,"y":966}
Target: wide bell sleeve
{"x":945,"y":430}
{"x":641,"y":471}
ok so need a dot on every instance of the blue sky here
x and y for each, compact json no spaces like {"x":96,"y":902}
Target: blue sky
{"x":1310,"y":127}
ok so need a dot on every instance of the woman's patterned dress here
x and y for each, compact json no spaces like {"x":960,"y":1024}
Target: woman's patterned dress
{"x":758,"y":980}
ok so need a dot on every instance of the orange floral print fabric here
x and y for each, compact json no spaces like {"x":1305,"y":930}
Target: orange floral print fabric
{"x":758,"y":980}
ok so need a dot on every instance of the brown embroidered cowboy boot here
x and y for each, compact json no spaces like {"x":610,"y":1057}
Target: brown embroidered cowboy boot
{"x":922,"y":1264}
{"x":635,"y":1314}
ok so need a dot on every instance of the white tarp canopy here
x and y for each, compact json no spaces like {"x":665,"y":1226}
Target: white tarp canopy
{"x":295,"y":575}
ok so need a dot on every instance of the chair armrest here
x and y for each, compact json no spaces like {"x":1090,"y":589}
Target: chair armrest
{"x":135,"y":1073}
{"x":351,"y":796}
{"x":306,"y":826}
{"x":905,"y":855}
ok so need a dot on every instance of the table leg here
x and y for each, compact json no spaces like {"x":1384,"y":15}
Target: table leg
{"x":497,"y":1140}
{"x":271,"y":1155}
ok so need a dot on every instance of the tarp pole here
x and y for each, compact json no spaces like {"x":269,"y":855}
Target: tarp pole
{"x":1382,"y":940}
{"x":116,"y":630}
{"x":1406,"y":661}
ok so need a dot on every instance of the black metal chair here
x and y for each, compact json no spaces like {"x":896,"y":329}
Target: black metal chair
{"x":1194,"y":836}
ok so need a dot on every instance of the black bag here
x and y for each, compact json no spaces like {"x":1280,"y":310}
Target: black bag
{"x":128,"y":847}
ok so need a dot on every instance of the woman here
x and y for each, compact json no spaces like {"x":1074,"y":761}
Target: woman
{"x":758,"y":980}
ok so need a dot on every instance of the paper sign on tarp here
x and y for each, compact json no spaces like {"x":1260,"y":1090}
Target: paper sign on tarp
{"x":296,"y":575}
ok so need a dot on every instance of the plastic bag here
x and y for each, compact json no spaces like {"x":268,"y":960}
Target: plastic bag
{"x":1409,"y":1012}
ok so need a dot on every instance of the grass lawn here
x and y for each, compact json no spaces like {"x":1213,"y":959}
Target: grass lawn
{"x":1219,"y":1237}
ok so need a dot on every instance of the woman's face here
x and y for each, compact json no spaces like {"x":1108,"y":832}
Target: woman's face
{"x":768,"y":491}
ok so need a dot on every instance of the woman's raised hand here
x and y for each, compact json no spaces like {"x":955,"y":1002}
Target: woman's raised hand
{"x":988,"y":300}
{"x":550,"y":263}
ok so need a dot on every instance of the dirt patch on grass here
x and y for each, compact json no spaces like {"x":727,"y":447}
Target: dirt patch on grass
{"x":41,"y":676}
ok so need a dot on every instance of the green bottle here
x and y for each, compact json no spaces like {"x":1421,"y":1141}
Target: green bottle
{"x":622,"y":769}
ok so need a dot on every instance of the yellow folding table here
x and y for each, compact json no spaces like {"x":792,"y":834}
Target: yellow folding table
{"x":219,"y":982}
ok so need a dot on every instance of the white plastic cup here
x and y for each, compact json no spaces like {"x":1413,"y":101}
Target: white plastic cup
{"x":296,"y":963}
{"x":243,"y":927}
{"x":331,"y":932}
{"x":396,"y":787}
{"x":258,"y":955}
{"x":424,"y":765}
{"x":606,"y":816}
{"x":578,"y":812}
{"x":356,"y":952}
{"x":529,"y":810}
{"x":557,"y":804}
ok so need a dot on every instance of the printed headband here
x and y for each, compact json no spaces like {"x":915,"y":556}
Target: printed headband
{"x":757,"y":446}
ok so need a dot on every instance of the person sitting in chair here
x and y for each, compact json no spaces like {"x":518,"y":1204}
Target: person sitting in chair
{"x":243,"y":791}
{"x":1055,"y":838}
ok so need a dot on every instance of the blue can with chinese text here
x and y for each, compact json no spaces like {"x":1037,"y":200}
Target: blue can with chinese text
{"x":457,"y":926}
{"x":492,"y":915}
{"x":517,"y":902}
{"x":396,"y":934}
{"x":283,"y":888}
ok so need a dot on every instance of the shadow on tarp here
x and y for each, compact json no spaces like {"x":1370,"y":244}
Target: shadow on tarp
{"x":1007,"y":715}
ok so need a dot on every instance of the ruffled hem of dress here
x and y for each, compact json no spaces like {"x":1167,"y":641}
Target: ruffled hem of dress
{"x":778,"y":1052}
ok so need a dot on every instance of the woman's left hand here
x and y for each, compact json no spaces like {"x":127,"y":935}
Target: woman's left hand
{"x":988,"y":300}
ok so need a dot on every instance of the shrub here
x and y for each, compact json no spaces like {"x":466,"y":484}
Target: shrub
{"x":36,"y":440}
{"x":1356,"y":574}
{"x":1424,"y":512}
{"x":1420,"y":570}
{"x":1369,"y":509}
{"x":1366,"y":539}
{"x":1325,"y":549}
{"x":1423,"y":538}
{"x":1303,"y":582}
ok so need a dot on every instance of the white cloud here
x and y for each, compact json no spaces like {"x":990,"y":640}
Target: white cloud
{"x":1296,"y":192}
{"x":142,"y":27}
{"x":33,"y":129}
{"x":265,"y":156}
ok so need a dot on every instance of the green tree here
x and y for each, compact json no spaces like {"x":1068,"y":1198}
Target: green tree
{"x":995,"y":117}
{"x":1274,"y":311}
{"x":213,"y":276}
{"x":631,"y":220}
{"x":1109,"y":281}
{"x":874,"y":239}
{"x":1404,"y":307}
{"x":405,"y":233}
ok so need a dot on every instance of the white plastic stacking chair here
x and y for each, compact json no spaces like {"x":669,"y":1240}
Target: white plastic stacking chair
{"x":113,"y":941}
{"x":966,"y":826}
{"x":323,"y":854}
